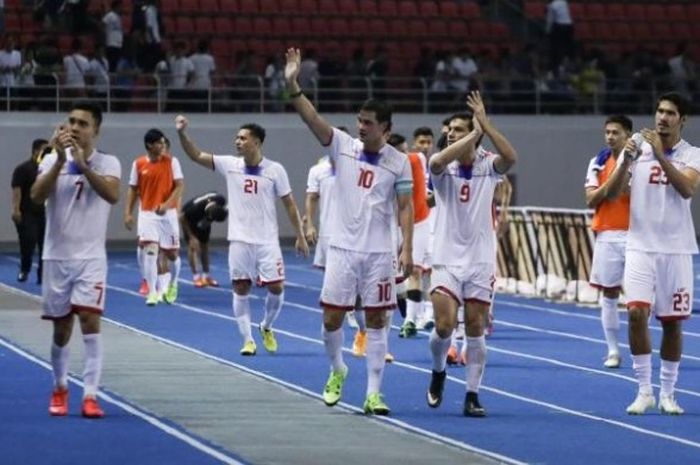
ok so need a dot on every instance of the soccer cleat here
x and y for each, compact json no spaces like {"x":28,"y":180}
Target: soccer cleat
{"x":152,"y":299}
{"x":429,"y":324}
{"x":170,"y":295}
{"x":437,"y":386}
{"x":91,"y":409}
{"x":374,"y":405}
{"x":613,"y":360}
{"x":408,"y":329}
{"x":641,"y":404}
{"x":334,"y":387}
{"x":472,"y":407}
{"x":268,"y":339}
{"x":58,"y":406}
{"x":669,"y":406}
{"x":249,"y":348}
{"x":388,"y":358}
{"x":211,"y":281}
{"x":199,"y":282}
{"x":143,"y":289}
{"x":359,"y":344}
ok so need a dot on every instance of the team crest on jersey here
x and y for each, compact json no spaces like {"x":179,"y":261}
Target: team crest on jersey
{"x":73,"y":168}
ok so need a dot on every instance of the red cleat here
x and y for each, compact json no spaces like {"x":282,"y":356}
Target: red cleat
{"x":59,"y":403}
{"x":143,"y":289}
{"x":212,"y":282}
{"x":199,"y":282}
{"x":452,"y":356}
{"x":91,"y":409}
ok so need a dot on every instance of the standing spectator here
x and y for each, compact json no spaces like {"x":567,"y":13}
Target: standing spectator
{"x":114,"y":34}
{"x":125,"y":77}
{"x":356,"y":72}
{"x":152,"y":22}
{"x":75,"y":67}
{"x":683,"y":73}
{"x":179,"y":71}
{"x":29,"y":218}
{"x":274,"y":81}
{"x":10,"y":64}
{"x":377,"y":70}
{"x":79,"y":185}
{"x":465,"y":69}
{"x":2,"y":16}
{"x":560,"y":29}
{"x":204,"y":67}
{"x":308,"y":72}
{"x":48,"y":62}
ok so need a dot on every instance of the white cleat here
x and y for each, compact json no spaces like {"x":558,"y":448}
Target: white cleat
{"x":613,"y":360}
{"x":669,"y":406}
{"x":641,"y":404}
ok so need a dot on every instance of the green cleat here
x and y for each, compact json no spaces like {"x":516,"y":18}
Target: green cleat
{"x":334,"y":387}
{"x":170,"y":296}
{"x":152,"y":299}
{"x":269,"y":341}
{"x":374,"y":405}
{"x":249,"y":348}
{"x":408,"y":329}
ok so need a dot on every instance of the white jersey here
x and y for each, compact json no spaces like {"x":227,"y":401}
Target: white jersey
{"x":660,"y":219}
{"x":320,"y":181}
{"x":464,"y":224}
{"x":364,"y":197}
{"x":76,"y":217}
{"x":252,"y":192}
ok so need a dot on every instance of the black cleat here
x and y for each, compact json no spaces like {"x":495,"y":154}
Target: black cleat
{"x":437,"y":385}
{"x":472,"y":407}
{"x":22,"y":277}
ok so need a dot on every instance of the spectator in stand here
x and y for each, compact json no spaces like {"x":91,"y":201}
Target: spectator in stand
{"x":10,"y":64}
{"x":308,"y":72}
{"x":75,"y":67}
{"x":126,"y":73}
{"x":356,"y":74}
{"x":114,"y":34}
{"x":683,"y":74}
{"x":274,"y":82}
{"x":204,"y":67}
{"x":179,"y":70}
{"x":377,"y":71}
{"x":48,"y":62}
{"x":560,"y":28}
{"x":465,"y":71}
{"x":2,"y":16}
{"x":99,"y":72}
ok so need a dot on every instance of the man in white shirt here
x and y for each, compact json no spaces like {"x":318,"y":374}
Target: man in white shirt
{"x":10,"y":64}
{"x":114,"y":34}
{"x":663,"y":174}
{"x":75,"y":67}
{"x":560,"y":29}
{"x":254,"y":183}
{"x":79,"y":184}
{"x":203,"y":66}
{"x":464,"y":177}
{"x":371,"y":178}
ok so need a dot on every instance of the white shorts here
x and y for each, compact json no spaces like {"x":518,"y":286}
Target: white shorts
{"x":608,"y":267}
{"x":662,"y":281}
{"x":321,"y":252}
{"x":73,"y":285}
{"x":163,"y":230}
{"x":422,"y":245}
{"x":350,"y":273}
{"x":465,"y":283}
{"x":261,"y":263}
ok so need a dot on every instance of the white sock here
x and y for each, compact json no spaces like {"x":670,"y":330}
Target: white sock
{"x":139,"y":260}
{"x":162,"y":286}
{"x":150,"y":270}
{"x":427,"y":312}
{"x":476,"y":356}
{"x":376,"y":353}
{"x":668,"y":377}
{"x":642,"y":370}
{"x":611,"y":323}
{"x":59,"y":362}
{"x":333,"y":342}
{"x":273,"y":305}
{"x":241,"y":310}
{"x":412,"y":310}
{"x":361,"y":320}
{"x":93,"y":364}
{"x":439,"y":348}
{"x":175,"y":266}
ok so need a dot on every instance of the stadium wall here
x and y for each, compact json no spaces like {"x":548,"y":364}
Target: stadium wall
{"x":554,"y":153}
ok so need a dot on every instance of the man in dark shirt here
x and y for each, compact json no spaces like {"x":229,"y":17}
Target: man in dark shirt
{"x":196,"y":217}
{"x":29,"y":218}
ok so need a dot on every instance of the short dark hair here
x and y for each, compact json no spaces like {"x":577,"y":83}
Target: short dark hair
{"x":216,"y":212}
{"x":681,"y":103}
{"x":395,"y":140}
{"x":91,"y":108}
{"x":446,"y":121}
{"x":622,"y":120}
{"x":463,"y":115}
{"x":422,"y":131}
{"x":152,"y":136}
{"x":38,"y":143}
{"x":382,"y":111}
{"x":256,"y":130}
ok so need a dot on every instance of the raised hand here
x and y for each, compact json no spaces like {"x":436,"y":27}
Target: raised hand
{"x":181,"y":123}
{"x":291,"y":69}
{"x":58,"y":140}
{"x":476,"y":104}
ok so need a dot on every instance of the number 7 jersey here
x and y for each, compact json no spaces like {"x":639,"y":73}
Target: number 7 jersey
{"x":76,"y":216}
{"x":660,"y":218}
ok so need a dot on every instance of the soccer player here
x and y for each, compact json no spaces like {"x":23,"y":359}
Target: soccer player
{"x":196,"y":218}
{"x":79,"y":184}
{"x":371,"y":177}
{"x":253,"y":182}
{"x":156,"y":180}
{"x":610,"y":223}
{"x":665,"y":174}
{"x":464,"y":177}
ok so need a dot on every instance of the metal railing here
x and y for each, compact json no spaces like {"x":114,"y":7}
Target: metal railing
{"x":251,"y":93}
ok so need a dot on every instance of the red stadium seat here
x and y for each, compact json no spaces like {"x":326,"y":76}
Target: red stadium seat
{"x":535,"y":10}
{"x":281,"y":26}
{"x":229,"y":6}
{"x":223,"y":25}
{"x":693,"y":12}
{"x":615,"y":11}
{"x":242,"y":27}
{"x":459,"y":29}
{"x":338,"y":27}
{"x":359,"y":27}
{"x":301,"y":26}
{"x":249,"y":6}
{"x":655,"y":12}
{"x":366,"y":8}
{"x":583,"y":31}
{"x":676,"y":12}
{"x":448,"y":9}
{"x":285,"y":6}
{"x":308,"y":7}
{"x":635,"y":12}
{"x":262,"y":26}
{"x":576,"y":11}
{"x":12,"y":22}
{"x":327,"y":7}
{"x":428,"y":9}
{"x":407,"y":9}
{"x":188,"y":6}
{"x":203,"y":25}
{"x":469,"y":10}
{"x":388,"y":8}
{"x":210,"y":6}
{"x":184,"y":25}
{"x":377,"y":27}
